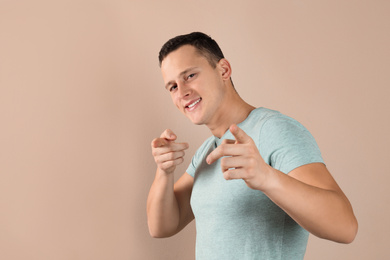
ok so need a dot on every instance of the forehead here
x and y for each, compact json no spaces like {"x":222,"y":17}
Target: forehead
{"x":181,"y":59}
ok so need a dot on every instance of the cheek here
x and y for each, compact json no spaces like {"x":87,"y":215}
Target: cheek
{"x":175,"y":101}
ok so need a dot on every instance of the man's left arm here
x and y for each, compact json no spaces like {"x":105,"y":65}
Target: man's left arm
{"x":311,"y":196}
{"x":308,"y":194}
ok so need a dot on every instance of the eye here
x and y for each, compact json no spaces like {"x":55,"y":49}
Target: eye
{"x":191,"y":76}
{"x":172,"y":88}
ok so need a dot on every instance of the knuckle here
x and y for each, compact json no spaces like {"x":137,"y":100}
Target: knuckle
{"x":168,"y":164}
{"x":251,"y":161}
{"x":157,"y":160}
{"x":168,"y":132}
{"x":172,"y":156}
{"x":164,"y":133}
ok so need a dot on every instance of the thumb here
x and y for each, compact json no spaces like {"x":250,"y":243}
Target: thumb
{"x":169,"y":135}
{"x":239,"y":134}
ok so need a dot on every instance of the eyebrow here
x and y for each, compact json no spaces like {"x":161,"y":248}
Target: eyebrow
{"x":181,"y":74}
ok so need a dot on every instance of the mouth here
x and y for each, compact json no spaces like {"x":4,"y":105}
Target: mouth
{"x":191,"y":106}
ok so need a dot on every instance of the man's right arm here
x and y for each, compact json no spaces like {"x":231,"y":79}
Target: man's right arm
{"x":168,"y":205}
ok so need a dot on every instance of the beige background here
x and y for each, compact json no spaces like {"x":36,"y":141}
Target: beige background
{"x":81,"y":97}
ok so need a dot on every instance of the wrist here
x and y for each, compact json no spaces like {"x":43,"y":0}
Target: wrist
{"x":271,"y":179}
{"x":164,"y":173}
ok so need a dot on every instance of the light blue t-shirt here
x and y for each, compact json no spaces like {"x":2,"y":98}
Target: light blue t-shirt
{"x":236,"y":222}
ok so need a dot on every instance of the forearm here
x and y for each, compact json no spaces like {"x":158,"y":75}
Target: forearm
{"x":162,"y":206}
{"x":324,"y":213}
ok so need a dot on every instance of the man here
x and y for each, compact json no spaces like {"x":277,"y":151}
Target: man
{"x":257,"y":186}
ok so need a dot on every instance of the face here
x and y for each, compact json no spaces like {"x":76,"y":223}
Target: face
{"x":196,"y":88}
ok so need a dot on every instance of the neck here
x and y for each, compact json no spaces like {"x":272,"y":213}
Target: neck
{"x":233,"y":110}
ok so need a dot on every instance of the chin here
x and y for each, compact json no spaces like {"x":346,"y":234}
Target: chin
{"x":196,"y":121}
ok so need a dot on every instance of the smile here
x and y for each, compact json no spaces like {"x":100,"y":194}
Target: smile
{"x":193,"y":104}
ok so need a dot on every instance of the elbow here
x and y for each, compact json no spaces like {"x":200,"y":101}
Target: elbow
{"x":348,"y":228}
{"x":159,"y":233}
{"x":155,"y":234}
{"x":350,"y":232}
{"x":343,"y":233}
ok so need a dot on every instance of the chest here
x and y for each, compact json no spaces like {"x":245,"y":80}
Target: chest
{"x":215,"y":198}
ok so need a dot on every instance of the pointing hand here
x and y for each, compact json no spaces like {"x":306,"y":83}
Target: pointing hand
{"x":240,"y":159}
{"x":167,"y":153}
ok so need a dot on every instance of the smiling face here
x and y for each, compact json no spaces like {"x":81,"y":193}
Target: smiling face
{"x":197,"y":89}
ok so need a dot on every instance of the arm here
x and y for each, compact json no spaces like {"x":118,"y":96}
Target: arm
{"x":308,"y":194}
{"x":168,"y":204}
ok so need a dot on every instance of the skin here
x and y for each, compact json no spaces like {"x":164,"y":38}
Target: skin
{"x":309,"y":194}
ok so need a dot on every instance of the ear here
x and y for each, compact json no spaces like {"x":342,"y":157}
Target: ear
{"x":225,"y":69}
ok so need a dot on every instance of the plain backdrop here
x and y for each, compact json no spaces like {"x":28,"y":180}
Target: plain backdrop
{"x":81,"y":98}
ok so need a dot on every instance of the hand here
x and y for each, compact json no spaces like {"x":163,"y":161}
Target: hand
{"x":242,"y":161}
{"x":167,"y":154}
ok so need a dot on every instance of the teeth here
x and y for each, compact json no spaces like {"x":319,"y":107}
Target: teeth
{"x":193,"y":104}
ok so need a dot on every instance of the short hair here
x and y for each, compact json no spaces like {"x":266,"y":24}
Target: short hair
{"x":204,"y":44}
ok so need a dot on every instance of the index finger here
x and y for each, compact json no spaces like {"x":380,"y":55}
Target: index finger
{"x":227,"y":149}
{"x":177,"y":146}
{"x":159,"y":142}
{"x":166,"y":146}
{"x":239,"y":134}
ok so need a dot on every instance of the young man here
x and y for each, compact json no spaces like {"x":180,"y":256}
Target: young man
{"x":257,"y":186}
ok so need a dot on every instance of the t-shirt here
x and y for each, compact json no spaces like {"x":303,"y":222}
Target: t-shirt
{"x":234,"y":221}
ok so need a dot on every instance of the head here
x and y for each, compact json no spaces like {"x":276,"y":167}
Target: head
{"x":203,"y":44}
{"x":197,"y":76}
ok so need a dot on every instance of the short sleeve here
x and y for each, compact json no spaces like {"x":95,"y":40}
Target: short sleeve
{"x":199,"y":156}
{"x":192,"y":166}
{"x":286,"y":144}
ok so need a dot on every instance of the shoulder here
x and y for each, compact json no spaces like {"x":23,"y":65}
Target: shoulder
{"x":264,"y":122}
{"x":286,"y":144}
{"x":262,"y":114}
{"x":283,"y":128}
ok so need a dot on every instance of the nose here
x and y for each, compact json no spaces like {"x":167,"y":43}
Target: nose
{"x":184,"y":90}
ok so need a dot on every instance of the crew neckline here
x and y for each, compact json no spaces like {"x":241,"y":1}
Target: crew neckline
{"x":218,"y":141}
